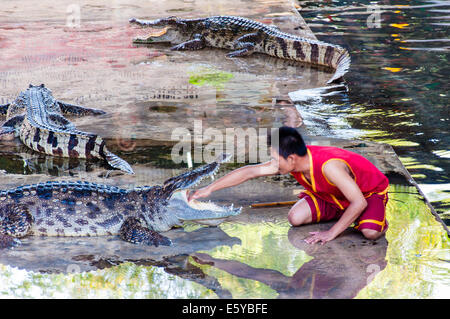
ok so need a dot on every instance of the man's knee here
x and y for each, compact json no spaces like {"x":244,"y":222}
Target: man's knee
{"x":371,"y":234}
{"x":300,"y":214}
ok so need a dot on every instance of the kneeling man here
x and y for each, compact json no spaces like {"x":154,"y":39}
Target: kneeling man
{"x":339,"y":184}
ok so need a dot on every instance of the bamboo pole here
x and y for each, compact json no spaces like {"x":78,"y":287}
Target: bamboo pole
{"x":273,"y":204}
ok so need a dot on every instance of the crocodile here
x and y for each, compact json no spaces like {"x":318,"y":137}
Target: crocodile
{"x":244,"y":37}
{"x":137,"y":215}
{"x":35,"y":116}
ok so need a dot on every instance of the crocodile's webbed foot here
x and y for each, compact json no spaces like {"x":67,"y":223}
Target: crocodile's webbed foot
{"x":197,"y":43}
{"x":242,"y":52}
{"x":133,"y":232}
{"x":245,"y":45}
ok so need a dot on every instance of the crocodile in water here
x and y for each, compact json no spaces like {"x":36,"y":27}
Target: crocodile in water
{"x":244,"y":37}
{"x":35,"y":116}
{"x":87,"y":209}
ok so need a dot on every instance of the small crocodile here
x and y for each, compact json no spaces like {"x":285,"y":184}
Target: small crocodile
{"x":35,"y":116}
{"x":137,"y":215}
{"x":244,"y":37}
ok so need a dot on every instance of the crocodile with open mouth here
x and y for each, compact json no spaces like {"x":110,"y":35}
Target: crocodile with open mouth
{"x":36,"y":117}
{"x":244,"y":37}
{"x":87,"y":209}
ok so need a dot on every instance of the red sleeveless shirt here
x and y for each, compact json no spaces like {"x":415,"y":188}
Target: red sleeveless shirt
{"x":369,"y":178}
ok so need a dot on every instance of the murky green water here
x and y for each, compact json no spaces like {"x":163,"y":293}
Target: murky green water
{"x":399,"y":88}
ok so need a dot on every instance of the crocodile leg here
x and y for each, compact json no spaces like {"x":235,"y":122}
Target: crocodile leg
{"x":247,"y":49}
{"x":60,"y":121}
{"x":77,"y":110}
{"x":15,"y":222}
{"x":249,"y":38}
{"x":245,"y":45}
{"x":10,"y":126}
{"x":4,"y":108}
{"x":197,"y":43}
{"x":133,"y":232}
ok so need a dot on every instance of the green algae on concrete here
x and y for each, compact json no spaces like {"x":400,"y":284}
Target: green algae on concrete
{"x":205,"y":75}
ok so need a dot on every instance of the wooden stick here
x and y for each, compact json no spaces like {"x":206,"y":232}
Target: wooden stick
{"x":272,"y":204}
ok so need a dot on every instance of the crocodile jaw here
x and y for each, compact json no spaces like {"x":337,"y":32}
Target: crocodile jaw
{"x":195,"y":176}
{"x":155,"y":36}
{"x":162,"y":35}
{"x":206,"y":213}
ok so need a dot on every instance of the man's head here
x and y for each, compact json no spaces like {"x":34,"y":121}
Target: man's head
{"x":287,"y":146}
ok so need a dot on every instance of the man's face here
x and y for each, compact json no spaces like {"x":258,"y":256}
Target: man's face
{"x":285,"y":166}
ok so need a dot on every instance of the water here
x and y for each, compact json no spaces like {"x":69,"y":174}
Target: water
{"x":398,"y":83}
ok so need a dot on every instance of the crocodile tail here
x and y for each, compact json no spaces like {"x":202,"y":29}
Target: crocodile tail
{"x":116,"y":162}
{"x":342,"y":66}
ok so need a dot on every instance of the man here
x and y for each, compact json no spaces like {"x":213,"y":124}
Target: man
{"x":339,"y":184}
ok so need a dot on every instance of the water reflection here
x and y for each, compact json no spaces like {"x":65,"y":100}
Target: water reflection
{"x":326,"y":275}
{"x":124,"y":281}
{"x":81,"y":254}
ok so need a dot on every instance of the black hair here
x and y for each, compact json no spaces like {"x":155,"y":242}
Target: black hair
{"x":286,"y":141}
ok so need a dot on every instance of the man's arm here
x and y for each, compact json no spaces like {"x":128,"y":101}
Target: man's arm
{"x":236,"y":177}
{"x":338,"y":173}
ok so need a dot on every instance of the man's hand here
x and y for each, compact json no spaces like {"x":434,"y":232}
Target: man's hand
{"x":320,"y":236}
{"x":202,"y":192}
{"x":236,"y":177}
